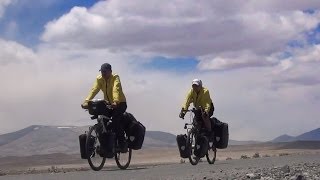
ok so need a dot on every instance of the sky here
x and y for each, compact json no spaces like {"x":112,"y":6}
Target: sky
{"x":260,"y":61}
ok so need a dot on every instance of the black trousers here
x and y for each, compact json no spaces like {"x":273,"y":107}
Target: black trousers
{"x":211,"y":110}
{"x":117,"y":115}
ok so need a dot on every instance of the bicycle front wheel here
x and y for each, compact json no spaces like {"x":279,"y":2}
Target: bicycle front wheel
{"x":212,"y":153}
{"x":191,"y":143}
{"x":93,"y":149}
{"x":123,"y":159}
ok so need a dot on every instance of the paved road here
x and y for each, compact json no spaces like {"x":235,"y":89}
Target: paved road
{"x":221,"y":169}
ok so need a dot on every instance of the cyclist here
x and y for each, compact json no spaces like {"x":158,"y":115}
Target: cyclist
{"x":200,"y":97}
{"x":110,"y":85}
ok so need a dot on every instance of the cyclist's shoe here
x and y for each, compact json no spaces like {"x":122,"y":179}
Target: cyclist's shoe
{"x":123,"y":146}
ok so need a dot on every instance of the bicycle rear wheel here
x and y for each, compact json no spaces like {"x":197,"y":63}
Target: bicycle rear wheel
{"x":123,"y":159}
{"x":93,"y":146}
{"x":191,"y":141}
{"x":212,"y":153}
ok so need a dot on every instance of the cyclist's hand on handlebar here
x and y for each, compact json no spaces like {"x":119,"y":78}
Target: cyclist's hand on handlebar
{"x":84,"y":105}
{"x":204,"y":114}
{"x":182,"y":114}
{"x":114,"y":105}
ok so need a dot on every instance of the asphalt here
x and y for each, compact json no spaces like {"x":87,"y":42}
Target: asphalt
{"x":219,"y":170}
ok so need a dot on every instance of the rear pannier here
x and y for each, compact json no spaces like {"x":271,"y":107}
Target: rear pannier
{"x":134,"y":130}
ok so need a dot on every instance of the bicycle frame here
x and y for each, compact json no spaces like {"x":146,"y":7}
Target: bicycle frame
{"x":103,"y":126}
{"x":193,"y":124}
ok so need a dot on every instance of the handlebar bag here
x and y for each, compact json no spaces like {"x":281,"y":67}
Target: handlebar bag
{"x":98,"y":108}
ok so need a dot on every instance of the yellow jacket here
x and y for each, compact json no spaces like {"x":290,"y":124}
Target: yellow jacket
{"x":202,"y":99}
{"x":111,"y":89}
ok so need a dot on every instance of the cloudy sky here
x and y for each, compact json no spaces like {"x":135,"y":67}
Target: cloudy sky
{"x":259,"y":59}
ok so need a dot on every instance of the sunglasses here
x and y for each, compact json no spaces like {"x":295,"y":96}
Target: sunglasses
{"x":105,"y":72}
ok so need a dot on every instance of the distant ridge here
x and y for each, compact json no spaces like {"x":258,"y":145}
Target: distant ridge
{"x":284,"y":138}
{"x":313,"y":135}
{"x":9,"y":137}
{"x":301,"y":145}
{"x":37,"y":140}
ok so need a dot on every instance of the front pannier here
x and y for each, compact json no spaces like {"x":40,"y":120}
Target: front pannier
{"x":82,"y":142}
{"x":182,"y":145}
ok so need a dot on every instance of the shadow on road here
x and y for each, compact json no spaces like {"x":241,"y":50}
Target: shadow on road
{"x":129,"y":169}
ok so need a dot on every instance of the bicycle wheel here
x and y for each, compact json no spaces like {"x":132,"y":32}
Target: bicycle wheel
{"x":191,"y":141}
{"x":212,"y":153}
{"x":95,"y":161}
{"x":123,"y":159}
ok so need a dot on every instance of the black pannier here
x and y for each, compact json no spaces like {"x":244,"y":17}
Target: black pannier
{"x":91,"y":141}
{"x":221,"y":133}
{"x":136,"y":135}
{"x":201,"y":146}
{"x":98,"y":107}
{"x":107,"y":141}
{"x":182,"y":145}
{"x":134,"y":130}
{"x":82,"y":142}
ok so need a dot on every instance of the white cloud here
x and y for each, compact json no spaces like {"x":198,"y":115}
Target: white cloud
{"x":235,"y":60}
{"x":12,"y":52}
{"x":3,"y":5}
{"x":311,"y":54}
{"x":181,"y":28}
{"x":301,"y":68}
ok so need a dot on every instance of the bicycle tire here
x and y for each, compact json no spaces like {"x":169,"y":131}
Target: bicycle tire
{"x":213,"y":158}
{"x":190,"y":140}
{"x":91,"y":151}
{"x":117,"y":157}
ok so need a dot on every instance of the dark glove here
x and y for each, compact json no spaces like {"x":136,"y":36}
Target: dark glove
{"x":204,"y":114}
{"x":84,"y":105}
{"x":182,"y":114}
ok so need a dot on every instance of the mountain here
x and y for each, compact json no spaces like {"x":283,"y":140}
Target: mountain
{"x":36,"y":140}
{"x":159,"y":139}
{"x":7,"y":138}
{"x":300,"y":145}
{"x":284,"y":138}
{"x":313,"y":135}
{"x":235,"y":142}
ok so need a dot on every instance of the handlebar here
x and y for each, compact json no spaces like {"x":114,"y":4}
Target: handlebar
{"x":193,"y":110}
{"x":107,"y":103}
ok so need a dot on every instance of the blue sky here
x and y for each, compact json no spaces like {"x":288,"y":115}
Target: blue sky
{"x":32,"y":15}
{"x":313,"y":37}
{"x":181,"y":65}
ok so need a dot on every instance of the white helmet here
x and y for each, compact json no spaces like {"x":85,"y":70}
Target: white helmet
{"x":197,"y":82}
